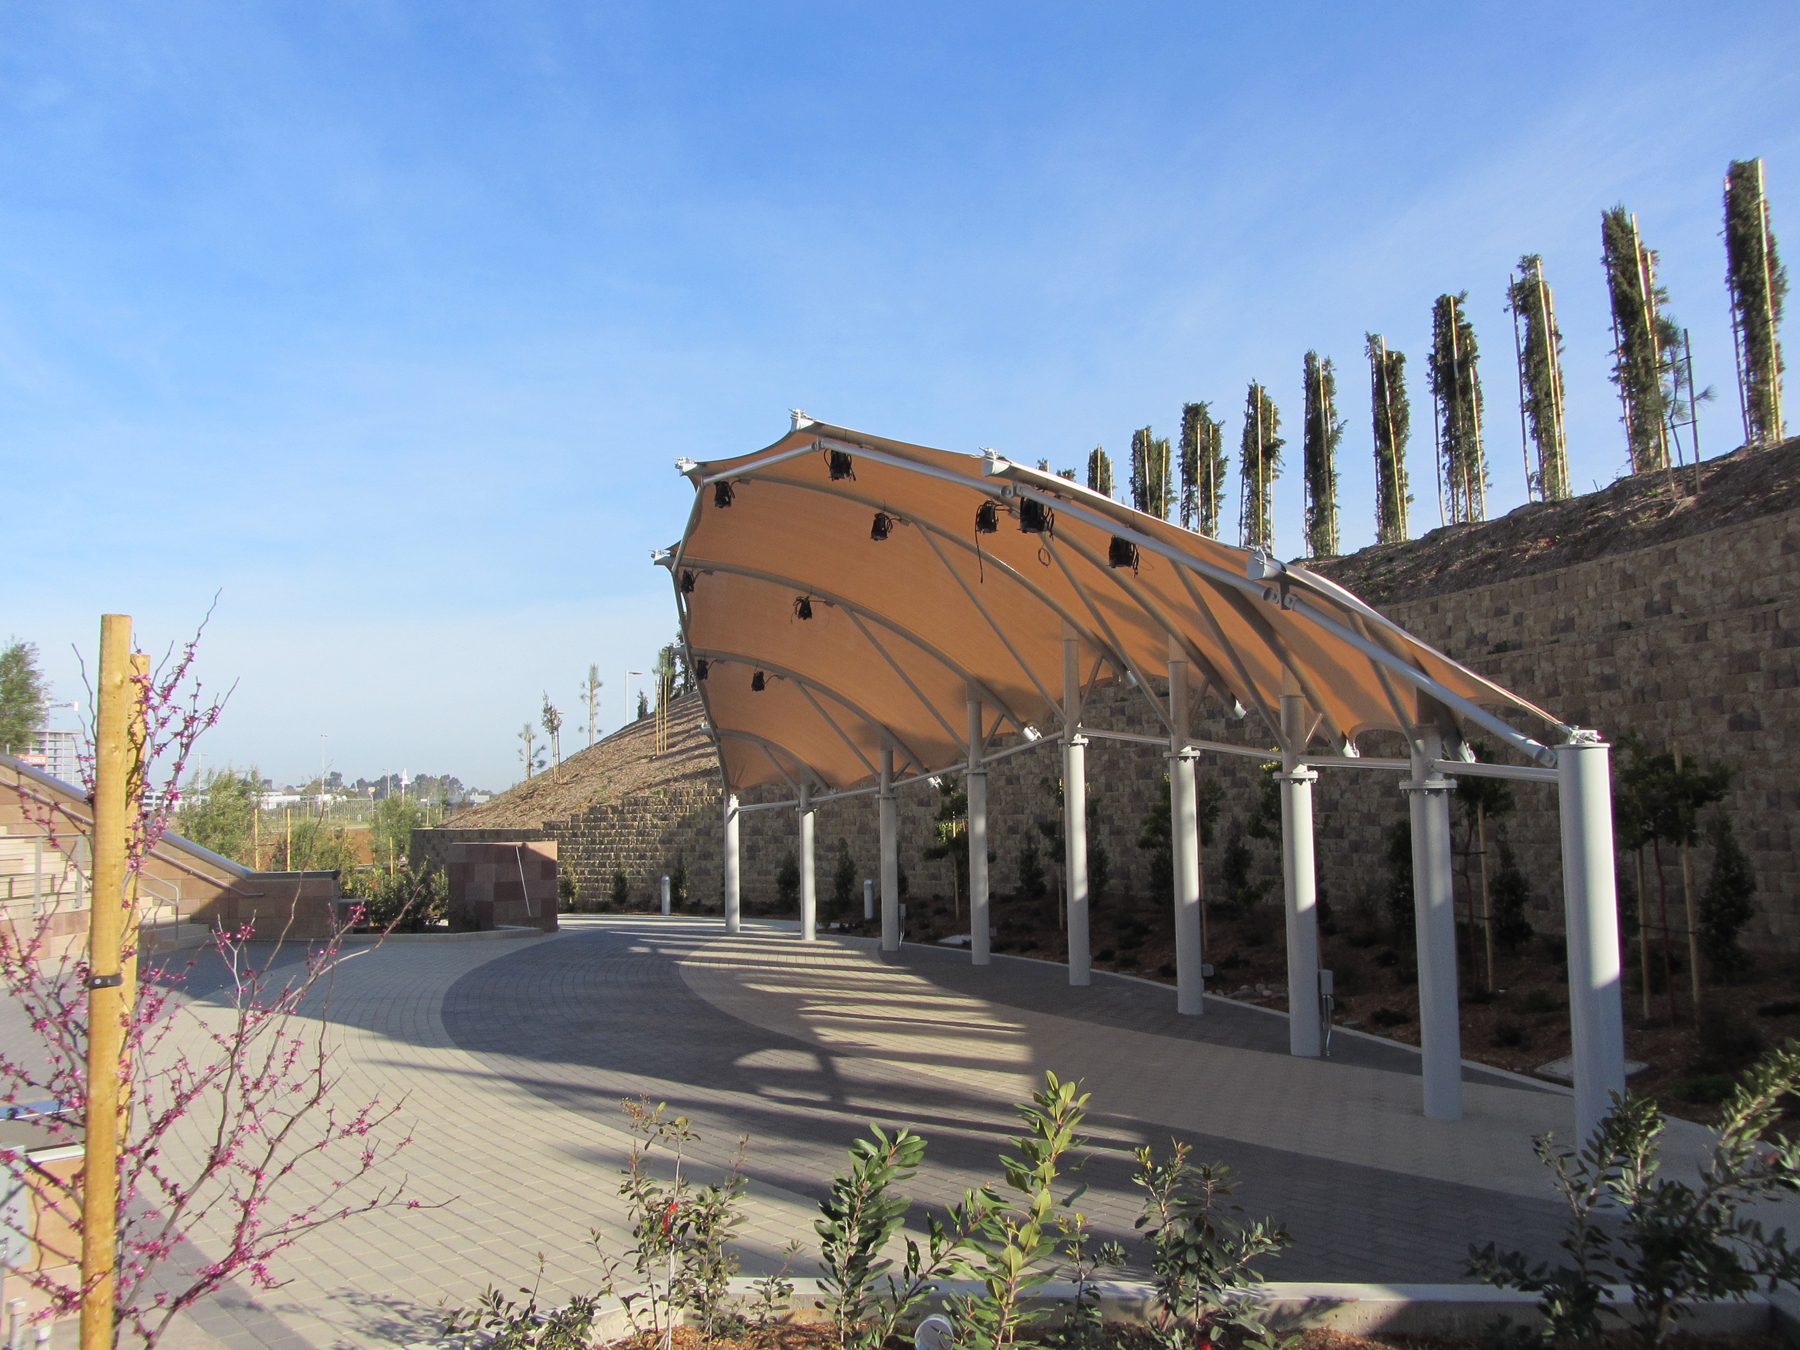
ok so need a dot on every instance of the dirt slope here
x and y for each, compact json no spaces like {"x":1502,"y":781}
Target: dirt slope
{"x":624,"y":763}
{"x":1632,"y":513}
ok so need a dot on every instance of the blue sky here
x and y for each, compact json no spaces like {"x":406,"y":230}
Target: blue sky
{"x":386,"y":321}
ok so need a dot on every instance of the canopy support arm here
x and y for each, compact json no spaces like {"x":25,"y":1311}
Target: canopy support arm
{"x":927,"y":525}
{"x":1086,"y":599}
{"x":999,"y":632}
{"x":850,"y":606}
{"x":899,"y":670}
{"x":1171,"y":630}
{"x":1053,"y":491}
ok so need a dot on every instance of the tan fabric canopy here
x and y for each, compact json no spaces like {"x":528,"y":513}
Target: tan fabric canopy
{"x":903,"y":628}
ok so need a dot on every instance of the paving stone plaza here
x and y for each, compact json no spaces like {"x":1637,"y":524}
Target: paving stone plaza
{"x":513,"y":1056}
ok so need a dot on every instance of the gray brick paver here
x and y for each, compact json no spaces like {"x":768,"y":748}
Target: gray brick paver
{"x":513,"y":1056}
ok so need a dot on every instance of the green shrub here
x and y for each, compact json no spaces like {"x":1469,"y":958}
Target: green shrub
{"x":406,"y":901}
{"x":1009,"y":1246}
{"x":621,"y":889}
{"x":843,"y":883}
{"x":1400,"y":880}
{"x":1727,"y":903}
{"x":1727,"y":1041}
{"x":1031,"y":869}
{"x":568,"y":893}
{"x":1390,"y":1017}
{"x":787,"y":883}
{"x":1509,"y":1035}
{"x":1705,"y":1089}
{"x":1539,"y":1001}
{"x":1201,"y":1253}
{"x":678,"y":887}
{"x":1510,"y":893}
{"x":1674,"y":1244}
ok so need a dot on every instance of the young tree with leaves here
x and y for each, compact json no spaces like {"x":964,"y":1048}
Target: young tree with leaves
{"x":1456,"y":390}
{"x":1538,"y":343}
{"x":1099,"y":473}
{"x":1152,"y":482}
{"x":1644,"y":340}
{"x":1202,"y":469}
{"x":590,"y":693}
{"x":1392,"y":415}
{"x":218,"y":811}
{"x":1259,"y":465}
{"x":1322,"y":431}
{"x":1758,"y":285}
{"x":24,"y":701}
{"x":551,"y":720}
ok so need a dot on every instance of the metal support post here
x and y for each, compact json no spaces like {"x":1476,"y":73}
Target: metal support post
{"x":1591,"y":913}
{"x":1075,"y":849}
{"x":1434,"y":918}
{"x":733,"y":916}
{"x":809,"y":895}
{"x":665,"y":897}
{"x":1299,"y":883}
{"x":1190,"y":983}
{"x":978,"y":846}
{"x":890,"y":855}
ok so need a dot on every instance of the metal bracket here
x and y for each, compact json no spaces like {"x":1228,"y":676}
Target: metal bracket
{"x":104,"y":981}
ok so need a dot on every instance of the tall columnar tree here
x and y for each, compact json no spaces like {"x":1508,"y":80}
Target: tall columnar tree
{"x":1758,"y":285}
{"x":1259,"y":465}
{"x":1539,"y":343}
{"x":1323,"y":430}
{"x":1644,"y":338}
{"x":1392,"y":414}
{"x":1202,"y":468}
{"x":1456,"y":390}
{"x":1100,"y":472}
{"x":1152,"y":482}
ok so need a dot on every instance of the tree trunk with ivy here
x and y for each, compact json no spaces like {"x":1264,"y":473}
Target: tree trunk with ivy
{"x":1758,"y":284}
{"x":1322,"y":432}
{"x":1540,"y":345}
{"x":1392,"y":415}
{"x":1202,"y":468}
{"x":1259,"y":465}
{"x":1456,"y":390}
{"x":1152,"y":483}
{"x":1644,"y":339}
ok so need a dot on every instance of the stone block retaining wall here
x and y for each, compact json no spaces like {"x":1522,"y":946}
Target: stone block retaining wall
{"x":1693,"y":642}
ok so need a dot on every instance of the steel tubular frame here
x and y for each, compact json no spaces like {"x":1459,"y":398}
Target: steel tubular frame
{"x":1580,"y":762}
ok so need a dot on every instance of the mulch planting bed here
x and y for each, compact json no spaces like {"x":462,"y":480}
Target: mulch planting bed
{"x":1119,"y":1336}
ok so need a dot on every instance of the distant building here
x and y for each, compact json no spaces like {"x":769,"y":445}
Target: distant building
{"x":56,"y":752}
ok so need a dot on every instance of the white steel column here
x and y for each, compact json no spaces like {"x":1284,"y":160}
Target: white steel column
{"x":1075,"y":850}
{"x":890,"y":857}
{"x":809,"y":894}
{"x":1190,"y":985}
{"x":1299,"y":883}
{"x":733,"y":919}
{"x":978,"y":849}
{"x":1434,"y":918}
{"x":1591,"y":913}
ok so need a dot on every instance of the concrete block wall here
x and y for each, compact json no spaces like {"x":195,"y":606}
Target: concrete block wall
{"x":1692,"y":643}
{"x":505,"y":884}
{"x":276,"y":905}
